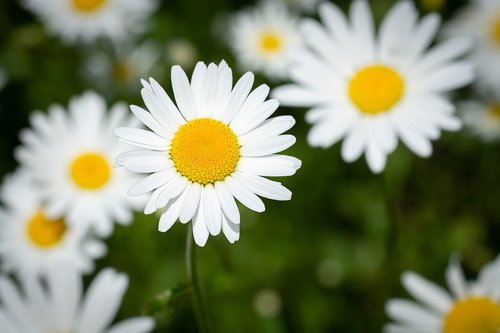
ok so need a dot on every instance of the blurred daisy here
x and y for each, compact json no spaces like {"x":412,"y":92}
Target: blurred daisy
{"x":181,"y":52}
{"x":31,"y":241}
{"x":71,"y":155}
{"x":58,"y":305}
{"x":470,"y":307}
{"x":86,"y":20}
{"x":481,"y":21}
{"x":373,"y":90}
{"x":482,"y":119}
{"x":214,"y":146}
{"x":125,"y":68}
{"x":262,"y":37}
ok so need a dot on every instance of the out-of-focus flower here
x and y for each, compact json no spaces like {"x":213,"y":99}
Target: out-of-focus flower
{"x":86,"y":20}
{"x":126,"y":67}
{"x":30,"y":241}
{"x":471,"y":306}
{"x":214,"y":146}
{"x":307,"y":6}
{"x":59,"y":306}
{"x":481,"y":20}
{"x":71,"y":156}
{"x":373,"y":90}
{"x":261,"y":38}
{"x":181,"y":52}
{"x":481,"y":118}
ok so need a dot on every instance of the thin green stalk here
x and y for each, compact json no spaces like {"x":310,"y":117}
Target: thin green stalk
{"x":192,"y":276}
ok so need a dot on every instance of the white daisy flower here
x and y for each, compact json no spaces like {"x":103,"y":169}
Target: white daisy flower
{"x":481,"y":21}
{"x":72,"y":154}
{"x":59,"y":306}
{"x":261,"y":38}
{"x":470,"y":307}
{"x":373,"y":90}
{"x":481,"y":118}
{"x":30,"y":241}
{"x":86,"y":20}
{"x":215,"y":145}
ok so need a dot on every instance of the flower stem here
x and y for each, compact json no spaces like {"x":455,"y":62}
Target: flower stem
{"x":192,"y":276}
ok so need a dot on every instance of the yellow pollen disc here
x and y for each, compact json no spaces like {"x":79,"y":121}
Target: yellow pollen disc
{"x":473,"y":315}
{"x":90,"y":171}
{"x":376,"y":89}
{"x":270,"y":42}
{"x":88,"y":6}
{"x":496,"y":30}
{"x":44,"y":232}
{"x":205,"y":150}
{"x":494,"y":110}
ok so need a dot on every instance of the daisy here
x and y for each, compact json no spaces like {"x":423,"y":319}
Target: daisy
{"x":71,"y":155}
{"x":481,"y":21}
{"x":482,"y":119}
{"x":261,"y":38}
{"x":371,"y":90}
{"x":58,"y":305}
{"x":215,"y":145}
{"x":30,"y":241}
{"x":86,"y":20}
{"x":470,"y":307}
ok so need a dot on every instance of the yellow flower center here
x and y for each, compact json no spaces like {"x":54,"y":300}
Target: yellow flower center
{"x":205,"y":150}
{"x":494,"y":110}
{"x":121,"y":72}
{"x":270,"y":42}
{"x":43,"y":232}
{"x":90,"y":171}
{"x":376,"y":89}
{"x":473,"y":315}
{"x":88,"y":6}
{"x":495,"y":31}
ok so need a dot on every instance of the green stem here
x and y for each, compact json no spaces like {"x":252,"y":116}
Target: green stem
{"x":192,"y":276}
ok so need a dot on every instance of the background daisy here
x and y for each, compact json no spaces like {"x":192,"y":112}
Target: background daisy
{"x":471,"y":306}
{"x":71,"y":155}
{"x":480,"y":20}
{"x":87,"y":20}
{"x":61,"y":307}
{"x":215,"y":145}
{"x":481,"y":118}
{"x":262,"y":36}
{"x":30,"y":241}
{"x":372,"y":91}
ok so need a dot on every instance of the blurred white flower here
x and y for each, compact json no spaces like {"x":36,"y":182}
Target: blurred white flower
{"x":71,"y":155}
{"x":261,"y":37}
{"x":125,"y":67}
{"x":87,"y":20}
{"x":481,"y":118}
{"x":481,"y":21}
{"x":214,"y":146}
{"x":30,"y":241}
{"x":373,"y":90}
{"x":181,"y":52}
{"x":59,"y":306}
{"x":471,"y":307}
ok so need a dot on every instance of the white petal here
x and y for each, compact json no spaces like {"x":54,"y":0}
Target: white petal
{"x":268,"y":146}
{"x":230,"y":230}
{"x":263,"y":187}
{"x":190,"y":204}
{"x":150,"y":183}
{"x":227,"y":202}
{"x":212,"y":210}
{"x":427,"y":292}
{"x":456,"y":279}
{"x":200,"y":231}
{"x":144,"y":161}
{"x":243,"y":195}
{"x":244,"y":123}
{"x":238,"y":96}
{"x":133,"y":325}
{"x":183,"y":93}
{"x":412,"y":314}
{"x":141,"y":138}
{"x":271,"y":165}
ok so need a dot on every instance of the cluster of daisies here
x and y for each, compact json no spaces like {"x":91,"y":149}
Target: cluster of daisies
{"x":192,"y":156}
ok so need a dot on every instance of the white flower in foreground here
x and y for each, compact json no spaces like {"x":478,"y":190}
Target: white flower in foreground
{"x":373,"y":90}
{"x":261,"y":38}
{"x":214,"y":146}
{"x":59,"y":306}
{"x":481,"y":21}
{"x":481,"y":118}
{"x":86,"y":20}
{"x":30,"y":242}
{"x":71,"y":155}
{"x":471,"y":307}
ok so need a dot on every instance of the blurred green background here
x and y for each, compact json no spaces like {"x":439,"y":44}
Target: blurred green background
{"x":326,"y":261}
